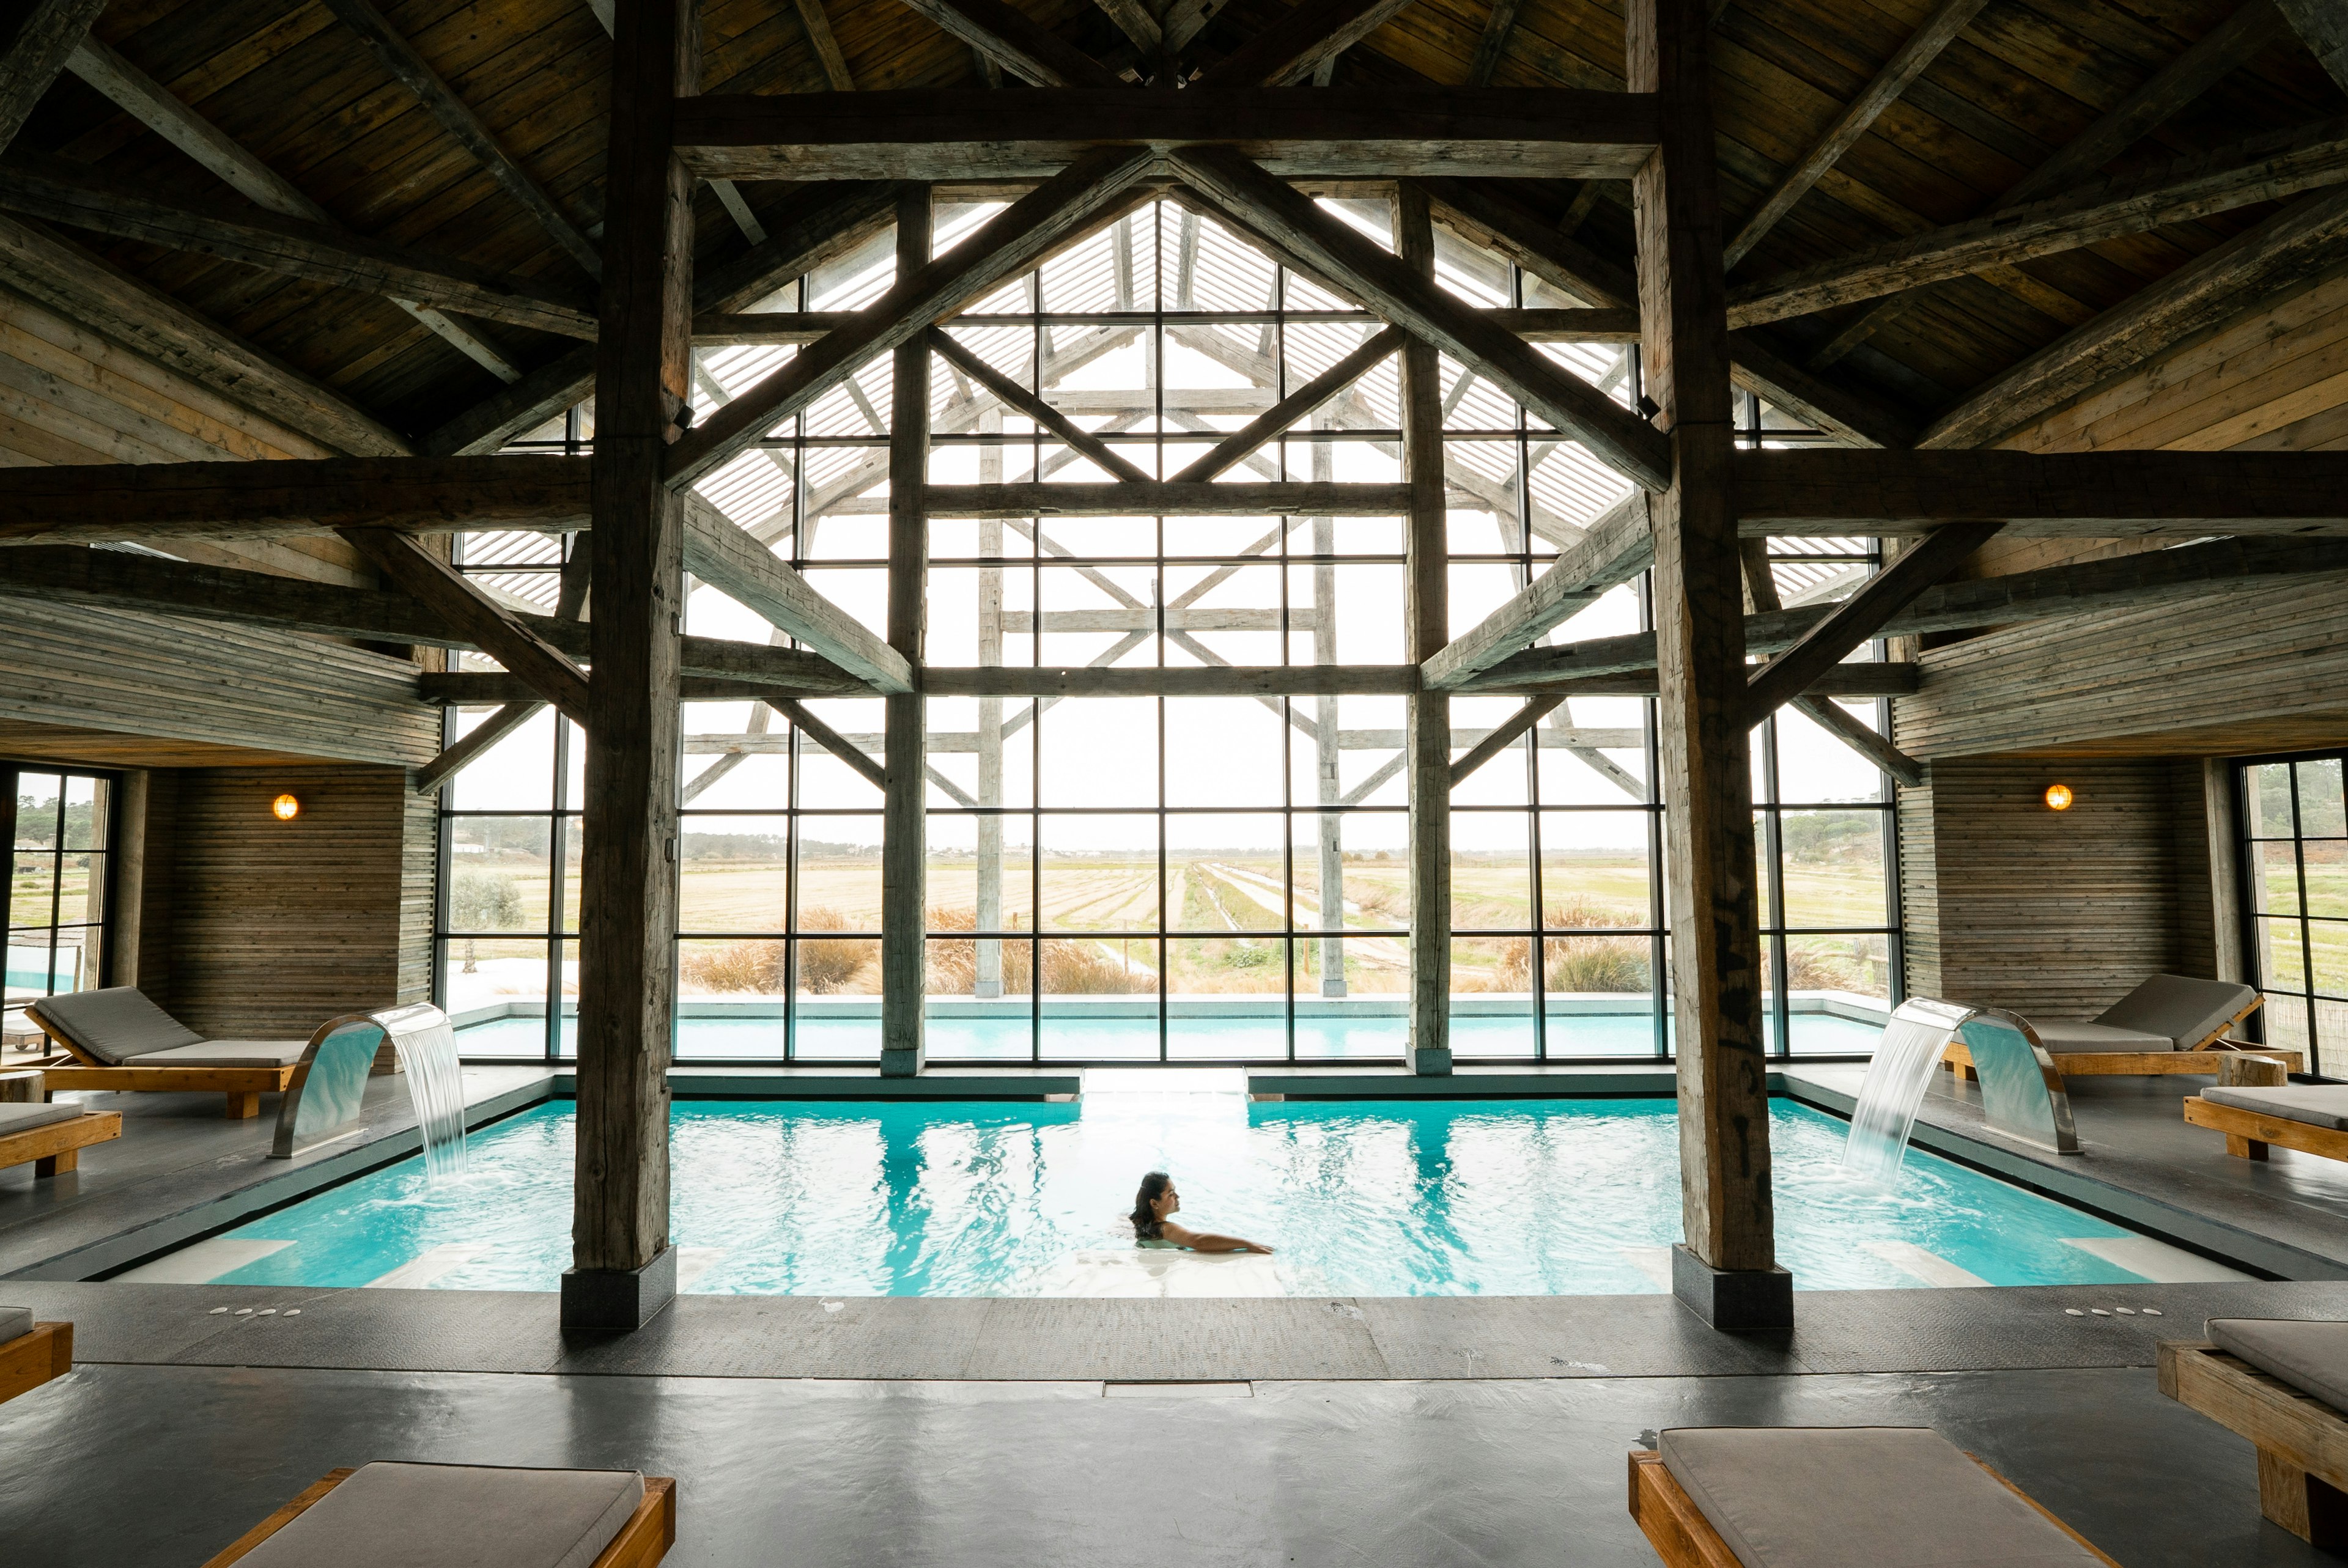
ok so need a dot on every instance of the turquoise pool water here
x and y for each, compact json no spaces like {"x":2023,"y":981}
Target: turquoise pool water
{"x":1521,"y":1197}
{"x":1363,"y":1038}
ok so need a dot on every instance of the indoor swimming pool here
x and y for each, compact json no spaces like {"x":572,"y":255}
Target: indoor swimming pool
{"x":1359,"y":1198}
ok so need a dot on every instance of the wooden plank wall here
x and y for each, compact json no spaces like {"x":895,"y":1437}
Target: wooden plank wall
{"x":275,"y":927}
{"x":142,"y":675}
{"x":2053,"y":914}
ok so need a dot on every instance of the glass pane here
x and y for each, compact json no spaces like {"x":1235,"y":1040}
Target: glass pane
{"x":1100,"y":752}
{"x":1351,"y":999}
{"x":2319,"y":812}
{"x":482,"y":972}
{"x":1839,"y":992}
{"x":1099,"y":997}
{"x":1226,"y":996}
{"x":1226,"y":874}
{"x":85,"y":814}
{"x":1491,"y":997}
{"x":2266,"y":788}
{"x":1599,"y":996}
{"x":81,"y":889}
{"x":1491,"y":878}
{"x":1226,"y":750}
{"x":840,"y":873}
{"x":1814,"y":765}
{"x":1100,"y":874}
{"x":2331,"y":1038}
{"x":515,"y":775}
{"x":2274,"y":876}
{"x":2327,"y":861}
{"x":2327,"y":940}
{"x":1593,"y":870}
{"x":2285,"y":1022}
{"x":2282,"y":964}
{"x":497,"y":876}
{"x":734,"y":873}
{"x":1834,"y":867}
{"x":1593,"y":752}
{"x":830,"y":966}
{"x":37,"y":810}
{"x":737,"y":969}
{"x":32,"y":887}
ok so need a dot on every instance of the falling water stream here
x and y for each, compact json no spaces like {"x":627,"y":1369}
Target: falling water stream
{"x":1913,"y":1039}
{"x":428,"y":1054}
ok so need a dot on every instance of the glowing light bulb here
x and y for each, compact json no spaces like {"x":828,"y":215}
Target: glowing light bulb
{"x":286,"y":807}
{"x":2058,"y":797}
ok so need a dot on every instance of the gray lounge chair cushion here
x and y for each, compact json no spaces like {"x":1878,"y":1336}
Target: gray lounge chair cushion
{"x":16,"y":1322}
{"x":20,"y":1118}
{"x":2316,"y":1104}
{"x":113,"y":1024}
{"x":457,"y":1516}
{"x":2310,"y":1355}
{"x":2186,"y":1011}
{"x":228,"y":1053}
{"x":1859,"y":1497}
{"x":2059,"y":1035}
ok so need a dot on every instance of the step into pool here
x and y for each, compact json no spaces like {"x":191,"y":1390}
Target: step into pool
{"x":1534,"y":1197}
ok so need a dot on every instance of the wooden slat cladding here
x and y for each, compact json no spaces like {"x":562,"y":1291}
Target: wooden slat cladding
{"x":276,"y":927}
{"x":182,"y":679}
{"x":2051,"y":914}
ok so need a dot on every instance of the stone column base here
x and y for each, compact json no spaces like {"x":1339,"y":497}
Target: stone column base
{"x":1732,"y":1300}
{"x":621,"y":1299}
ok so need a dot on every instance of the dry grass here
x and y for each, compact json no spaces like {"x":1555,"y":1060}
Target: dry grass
{"x":826,"y":966}
{"x":1071,"y":966}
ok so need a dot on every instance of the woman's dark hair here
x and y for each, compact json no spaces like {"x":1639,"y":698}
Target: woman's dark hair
{"x":1146,"y":1224}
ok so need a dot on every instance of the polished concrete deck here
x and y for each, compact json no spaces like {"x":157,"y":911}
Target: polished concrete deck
{"x":906,"y":1475}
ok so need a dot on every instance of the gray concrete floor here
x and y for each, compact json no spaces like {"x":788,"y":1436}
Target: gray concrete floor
{"x":969,"y":1474}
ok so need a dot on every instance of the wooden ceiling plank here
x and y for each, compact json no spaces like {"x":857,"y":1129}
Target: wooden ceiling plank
{"x":2223,"y":50}
{"x":86,"y":288}
{"x":146,"y":101}
{"x":1084,"y":194}
{"x":1617,"y":548}
{"x":1938,"y":30}
{"x":2215,"y":285}
{"x":441,"y":101}
{"x":43,"y":39}
{"x":1309,"y":32}
{"x":295,"y":247}
{"x":258,"y":499}
{"x":1026,"y":48}
{"x":1235,"y":448}
{"x":728,"y":197}
{"x":1611,"y":433}
{"x":2263,"y":169}
{"x":1837,"y":492}
{"x":1133,"y":20}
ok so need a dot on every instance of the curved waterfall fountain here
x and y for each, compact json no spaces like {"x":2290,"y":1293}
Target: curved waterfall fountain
{"x":332,"y":1079}
{"x":2022,"y":1094}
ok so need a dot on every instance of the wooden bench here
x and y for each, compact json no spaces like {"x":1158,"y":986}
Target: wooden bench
{"x":2251,"y":1131}
{"x":1684,"y":1538}
{"x":74,"y":1064}
{"x":2302,"y":1442}
{"x":644,"y":1540}
{"x":32,"y":1358}
{"x":2198,"y":1017}
{"x":51,"y":1137}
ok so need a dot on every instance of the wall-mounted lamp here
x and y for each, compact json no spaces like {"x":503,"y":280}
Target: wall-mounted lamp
{"x":2058,"y":797}
{"x":285,"y":808}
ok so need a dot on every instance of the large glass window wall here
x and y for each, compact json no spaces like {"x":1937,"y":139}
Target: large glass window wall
{"x":2294,"y":866}
{"x":1181,"y":878}
{"x":61,"y":868}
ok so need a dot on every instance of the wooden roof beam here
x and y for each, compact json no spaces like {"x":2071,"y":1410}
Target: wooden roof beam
{"x":43,"y":36}
{"x":490,"y":626}
{"x":1026,"y":48}
{"x":1940,"y":29}
{"x":1307,"y":34}
{"x":967,"y":133}
{"x":1080,"y":197}
{"x":729,"y":560}
{"x":1616,"y":548}
{"x":1861,"y":492}
{"x":833,"y":222}
{"x":440,"y":100}
{"x":793,"y":672}
{"x":1493,"y":42}
{"x":1018,"y":398}
{"x":1381,"y":281}
{"x":295,"y":247}
{"x":1296,"y":499}
{"x":2323,"y":26}
{"x":727,"y":196}
{"x":1234,"y":448}
{"x":261,"y":499}
{"x":458,"y":754}
{"x":144,"y":100}
{"x":2224,"y":49}
{"x":2262,"y":168}
{"x":1861,"y":617}
{"x":2215,"y":285}
{"x":85,"y":287}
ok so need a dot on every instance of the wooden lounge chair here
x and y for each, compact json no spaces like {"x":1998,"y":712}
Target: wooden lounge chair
{"x":2170,"y":1023}
{"x":2277,"y":1382}
{"x":31,"y":1353}
{"x":2311,"y":1118}
{"x":51,"y":1136}
{"x":115,"y":1039}
{"x":1835,"y":1497}
{"x":441,"y":1515}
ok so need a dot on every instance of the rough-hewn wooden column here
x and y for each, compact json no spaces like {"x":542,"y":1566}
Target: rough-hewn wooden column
{"x":1429,"y":613}
{"x":904,"y":836}
{"x":623,"y":1270}
{"x":1726,"y":1268}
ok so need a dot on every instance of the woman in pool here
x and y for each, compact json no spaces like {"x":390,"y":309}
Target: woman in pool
{"x":1153,"y":1221}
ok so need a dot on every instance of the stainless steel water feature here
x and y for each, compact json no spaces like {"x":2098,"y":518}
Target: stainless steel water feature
{"x":2022,"y":1094}
{"x":331,"y":1080}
